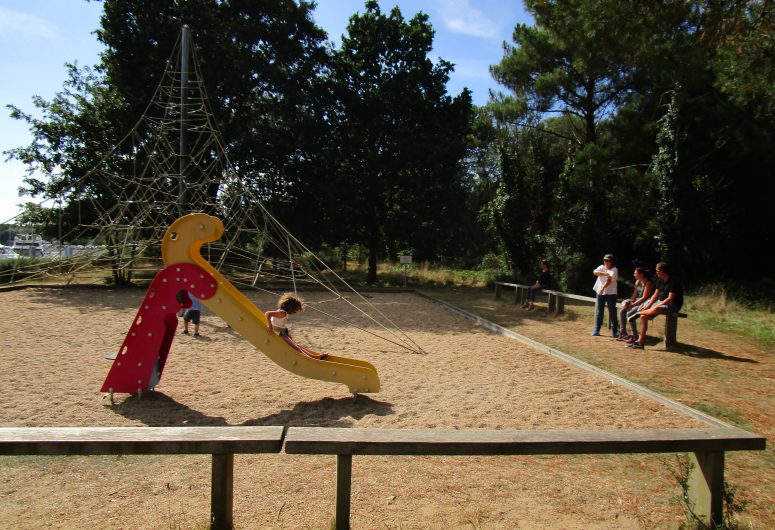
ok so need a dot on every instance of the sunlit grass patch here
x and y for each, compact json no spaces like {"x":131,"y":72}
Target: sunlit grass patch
{"x":714,"y":307}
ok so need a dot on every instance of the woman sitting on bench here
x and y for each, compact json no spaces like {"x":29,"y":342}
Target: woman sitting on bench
{"x":544,"y":281}
{"x":668,"y":298}
{"x":630,"y":307}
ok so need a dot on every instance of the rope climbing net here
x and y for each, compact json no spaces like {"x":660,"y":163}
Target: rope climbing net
{"x":127,"y":201}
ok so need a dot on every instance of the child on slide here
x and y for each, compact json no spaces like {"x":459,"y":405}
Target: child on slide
{"x":277,"y":321}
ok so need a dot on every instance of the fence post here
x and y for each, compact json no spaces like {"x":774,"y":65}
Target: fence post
{"x":671,"y":326}
{"x":560,"y":309}
{"x":706,"y":486}
{"x":221,"y":497}
{"x":497,"y":290}
{"x":344,"y":468}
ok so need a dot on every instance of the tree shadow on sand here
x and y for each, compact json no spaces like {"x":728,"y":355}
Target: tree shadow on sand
{"x":157,"y":409}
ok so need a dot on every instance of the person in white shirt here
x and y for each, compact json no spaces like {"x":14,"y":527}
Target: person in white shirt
{"x":606,"y":290}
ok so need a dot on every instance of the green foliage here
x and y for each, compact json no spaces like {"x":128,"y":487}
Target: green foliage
{"x":665,"y":168}
{"x":400,"y":138}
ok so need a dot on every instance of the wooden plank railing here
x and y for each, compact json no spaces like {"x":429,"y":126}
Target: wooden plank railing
{"x":221,"y":442}
{"x":705,"y":446}
{"x":520,"y":291}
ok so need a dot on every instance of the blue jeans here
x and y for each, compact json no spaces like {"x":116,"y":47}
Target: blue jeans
{"x":532,"y":290}
{"x":602,"y":301}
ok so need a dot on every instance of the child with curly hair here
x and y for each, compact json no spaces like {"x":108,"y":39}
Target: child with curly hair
{"x":277,"y":322}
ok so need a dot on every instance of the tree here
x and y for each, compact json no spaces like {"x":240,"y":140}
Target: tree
{"x":401,"y":137}
{"x":578,"y":59}
{"x":260,"y":61}
{"x":75,"y":133}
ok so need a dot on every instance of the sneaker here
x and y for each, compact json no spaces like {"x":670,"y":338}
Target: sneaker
{"x":596,"y":333}
{"x":615,"y":335}
{"x":185,"y":332}
{"x":631,"y":339}
{"x":623,"y":337}
{"x":196,"y":334}
{"x":635,"y":346}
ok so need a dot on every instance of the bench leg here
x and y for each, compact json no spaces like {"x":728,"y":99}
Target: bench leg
{"x":671,"y":327}
{"x":560,"y":305}
{"x":344,"y":468}
{"x":706,"y":487}
{"x":497,"y":291}
{"x":221,"y":500}
{"x":551,"y":303}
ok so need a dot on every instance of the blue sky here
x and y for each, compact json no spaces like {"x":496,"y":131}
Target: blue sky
{"x":37,"y":37}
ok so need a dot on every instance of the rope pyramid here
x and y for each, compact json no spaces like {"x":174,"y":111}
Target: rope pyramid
{"x":142,"y":187}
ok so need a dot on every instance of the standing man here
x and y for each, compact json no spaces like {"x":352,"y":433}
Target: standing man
{"x":606,"y":290}
{"x":667,"y":298}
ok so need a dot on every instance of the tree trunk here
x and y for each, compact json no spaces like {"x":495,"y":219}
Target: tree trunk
{"x":373,"y":250}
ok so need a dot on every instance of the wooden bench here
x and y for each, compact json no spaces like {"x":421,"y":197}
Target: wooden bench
{"x":556,"y":305}
{"x":221,"y":442}
{"x":706,"y":448}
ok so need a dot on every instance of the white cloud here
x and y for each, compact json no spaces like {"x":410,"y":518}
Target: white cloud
{"x":459,"y":16}
{"x":15,"y":24}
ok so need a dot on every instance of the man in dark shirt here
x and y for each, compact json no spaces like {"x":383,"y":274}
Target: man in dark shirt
{"x":668,"y":297}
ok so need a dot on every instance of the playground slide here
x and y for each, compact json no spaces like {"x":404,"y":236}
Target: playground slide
{"x":182,"y":244}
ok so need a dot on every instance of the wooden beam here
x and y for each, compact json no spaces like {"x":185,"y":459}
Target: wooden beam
{"x":706,"y":487}
{"x":139,"y":440}
{"x":344,"y":467}
{"x":222,"y":492}
{"x":323,"y":440}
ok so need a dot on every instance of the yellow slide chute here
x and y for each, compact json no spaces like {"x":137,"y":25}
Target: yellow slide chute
{"x":182,"y":244}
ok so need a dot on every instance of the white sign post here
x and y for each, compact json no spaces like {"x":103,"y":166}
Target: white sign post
{"x":405,"y":260}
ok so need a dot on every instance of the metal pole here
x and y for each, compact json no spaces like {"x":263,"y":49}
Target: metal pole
{"x":183,"y":160}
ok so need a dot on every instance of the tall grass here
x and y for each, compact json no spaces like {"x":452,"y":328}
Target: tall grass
{"x":429,"y":275}
{"x":716,"y":307}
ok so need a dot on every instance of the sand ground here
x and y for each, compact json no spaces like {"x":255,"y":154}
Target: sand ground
{"x":52,"y":367}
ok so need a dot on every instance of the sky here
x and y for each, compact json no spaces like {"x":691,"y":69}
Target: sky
{"x":37,"y":38}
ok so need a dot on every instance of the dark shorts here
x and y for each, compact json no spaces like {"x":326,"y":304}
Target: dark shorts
{"x":192,"y":315}
{"x":283,"y":332}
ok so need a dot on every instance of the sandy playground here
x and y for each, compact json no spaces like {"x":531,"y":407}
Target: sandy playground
{"x":52,"y":367}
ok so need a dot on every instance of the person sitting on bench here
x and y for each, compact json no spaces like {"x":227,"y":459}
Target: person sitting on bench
{"x":667,"y":298}
{"x":630,"y":307}
{"x":544,"y":281}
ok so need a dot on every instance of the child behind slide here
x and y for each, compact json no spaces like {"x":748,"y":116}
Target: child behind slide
{"x":277,"y":321}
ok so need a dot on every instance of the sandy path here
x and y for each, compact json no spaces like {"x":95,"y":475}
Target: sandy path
{"x":51,"y":369}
